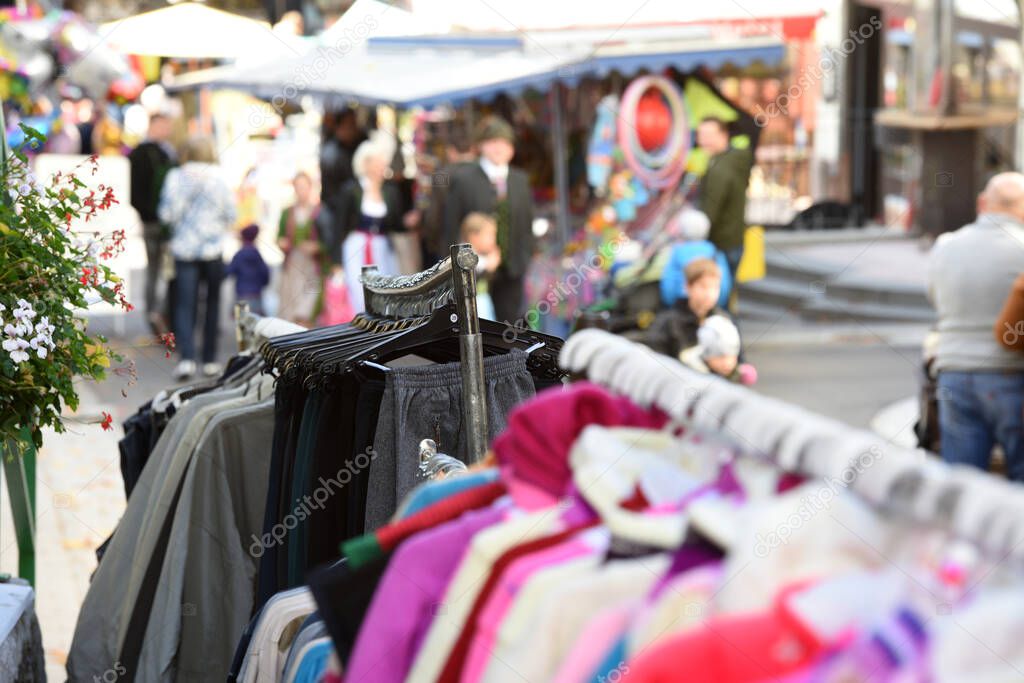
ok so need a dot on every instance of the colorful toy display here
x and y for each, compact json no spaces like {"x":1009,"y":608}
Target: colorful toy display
{"x":36,"y":48}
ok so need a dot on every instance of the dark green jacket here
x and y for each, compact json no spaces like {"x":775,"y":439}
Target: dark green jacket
{"x":723,"y":197}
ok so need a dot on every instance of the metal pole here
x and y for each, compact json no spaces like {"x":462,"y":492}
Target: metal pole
{"x":561,"y":164}
{"x":366,"y":270}
{"x":241,"y":320}
{"x":474,"y":397}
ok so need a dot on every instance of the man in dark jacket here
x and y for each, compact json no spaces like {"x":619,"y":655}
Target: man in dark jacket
{"x":150,"y":162}
{"x":493,"y":187}
{"x":341,"y":137}
{"x":723,"y":190}
{"x":458,"y":152}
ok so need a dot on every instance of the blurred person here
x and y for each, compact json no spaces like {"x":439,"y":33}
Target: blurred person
{"x":675,"y":328}
{"x":980,"y":383}
{"x":250,"y":206}
{"x":723,"y":189}
{"x":480,"y":231}
{"x":299,"y":239}
{"x":492,"y":186}
{"x":337,"y":304}
{"x":691,"y":228}
{"x":86,"y":117}
{"x":717,"y":351}
{"x":106,"y":135}
{"x":65,"y":139}
{"x":341,"y":138}
{"x":199,"y":206}
{"x":291,"y":23}
{"x":249,"y":270}
{"x":370,"y":211}
{"x":458,"y":152}
{"x":150,"y":162}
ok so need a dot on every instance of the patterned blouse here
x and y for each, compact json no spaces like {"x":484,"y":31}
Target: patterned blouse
{"x":199,"y":206}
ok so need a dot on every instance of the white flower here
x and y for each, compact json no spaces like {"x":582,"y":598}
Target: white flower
{"x":43,"y":327}
{"x":41,"y":352}
{"x":24,"y":189}
{"x":15,"y":330}
{"x":19,"y":356}
{"x":24,"y":311}
{"x":11,"y":345}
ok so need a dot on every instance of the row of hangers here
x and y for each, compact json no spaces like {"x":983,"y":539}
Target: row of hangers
{"x":975,"y":506}
{"x":404,"y":315}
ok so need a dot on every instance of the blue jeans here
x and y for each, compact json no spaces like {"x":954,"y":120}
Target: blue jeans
{"x":978,"y":410}
{"x":188,"y":275}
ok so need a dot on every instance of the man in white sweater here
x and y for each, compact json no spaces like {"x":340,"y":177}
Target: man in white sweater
{"x":981,"y":384}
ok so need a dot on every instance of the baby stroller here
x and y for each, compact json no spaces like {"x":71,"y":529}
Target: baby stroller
{"x":638,"y":290}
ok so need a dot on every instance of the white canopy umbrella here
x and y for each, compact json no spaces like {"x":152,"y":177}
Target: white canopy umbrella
{"x":191,"y":30}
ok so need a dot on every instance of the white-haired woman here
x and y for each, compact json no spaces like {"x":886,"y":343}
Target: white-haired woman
{"x":370,"y":210}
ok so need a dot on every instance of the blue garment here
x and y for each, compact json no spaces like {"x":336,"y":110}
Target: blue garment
{"x":673,"y":279}
{"x":250,"y":272}
{"x":434,"y":491}
{"x":977,"y":410}
{"x":613,"y":662}
{"x":313,"y":663}
{"x":312,"y":629}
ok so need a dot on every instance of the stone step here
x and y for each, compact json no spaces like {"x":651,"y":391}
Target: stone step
{"x":751,"y":310}
{"x":785,"y":267}
{"x":825,"y":308}
{"x":778,"y":292}
{"x":892,"y":294}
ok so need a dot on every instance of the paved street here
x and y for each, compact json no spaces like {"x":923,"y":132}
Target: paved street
{"x":848,"y":382}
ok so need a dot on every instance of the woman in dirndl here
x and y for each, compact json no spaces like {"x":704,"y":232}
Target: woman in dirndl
{"x":298,"y":238}
{"x":371,"y":212}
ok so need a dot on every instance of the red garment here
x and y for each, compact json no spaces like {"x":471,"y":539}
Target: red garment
{"x":368,"y":248}
{"x":452,"y":671}
{"x":733,"y":649}
{"x":534,"y":448}
{"x":440,"y":512}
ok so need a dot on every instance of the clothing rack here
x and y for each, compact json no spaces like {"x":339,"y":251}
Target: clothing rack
{"x":975,"y":506}
{"x":452,"y":280}
{"x":252,"y":329}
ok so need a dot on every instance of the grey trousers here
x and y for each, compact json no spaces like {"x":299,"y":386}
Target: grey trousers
{"x":425,"y":402}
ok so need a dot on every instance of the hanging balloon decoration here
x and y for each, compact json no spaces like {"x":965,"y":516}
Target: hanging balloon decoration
{"x":638,"y":146}
{"x":653,"y":132}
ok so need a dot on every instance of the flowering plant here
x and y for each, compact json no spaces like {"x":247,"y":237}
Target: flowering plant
{"x":49,"y":273}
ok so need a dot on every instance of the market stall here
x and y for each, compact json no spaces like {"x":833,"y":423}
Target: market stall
{"x":547,"y":80}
